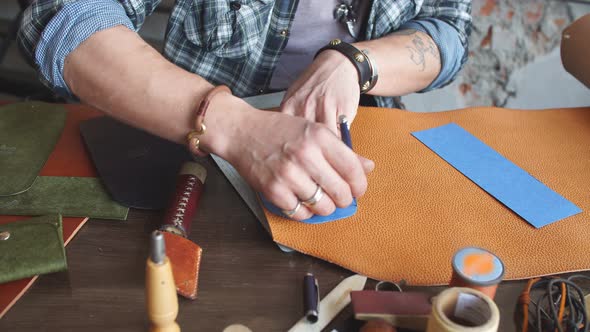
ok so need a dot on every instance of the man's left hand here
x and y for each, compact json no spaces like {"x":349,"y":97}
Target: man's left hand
{"x":327,"y":89}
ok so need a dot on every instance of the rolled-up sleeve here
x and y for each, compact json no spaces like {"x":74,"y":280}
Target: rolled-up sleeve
{"x":51,"y":29}
{"x":448,"y":23}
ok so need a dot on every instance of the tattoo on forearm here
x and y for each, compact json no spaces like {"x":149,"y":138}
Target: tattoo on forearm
{"x":420,"y":48}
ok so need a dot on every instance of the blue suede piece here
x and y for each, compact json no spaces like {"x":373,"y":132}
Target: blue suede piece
{"x":339,"y":213}
{"x":507,"y":182}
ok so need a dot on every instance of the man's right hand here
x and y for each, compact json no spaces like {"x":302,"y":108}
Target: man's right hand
{"x":286,"y":158}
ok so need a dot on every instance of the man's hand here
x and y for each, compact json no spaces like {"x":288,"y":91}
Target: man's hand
{"x":328,"y":88}
{"x":289,"y":157}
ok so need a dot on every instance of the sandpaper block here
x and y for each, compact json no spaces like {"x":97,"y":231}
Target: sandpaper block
{"x":138,"y":169}
{"x":408,"y":310}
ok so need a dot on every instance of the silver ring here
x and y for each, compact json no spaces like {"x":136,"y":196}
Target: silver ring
{"x":291,"y":213}
{"x":315,"y":198}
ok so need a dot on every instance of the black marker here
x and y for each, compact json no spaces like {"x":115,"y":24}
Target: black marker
{"x":311,"y":297}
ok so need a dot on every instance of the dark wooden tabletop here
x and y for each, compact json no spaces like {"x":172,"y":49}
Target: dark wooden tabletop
{"x":244,"y":277}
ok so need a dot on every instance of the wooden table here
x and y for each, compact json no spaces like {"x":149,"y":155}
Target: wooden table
{"x":244,"y":277}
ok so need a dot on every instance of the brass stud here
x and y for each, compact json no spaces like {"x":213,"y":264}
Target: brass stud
{"x":4,"y":235}
{"x":335,"y":42}
{"x":284,"y":33}
{"x":366,"y":86}
{"x":359,"y":57}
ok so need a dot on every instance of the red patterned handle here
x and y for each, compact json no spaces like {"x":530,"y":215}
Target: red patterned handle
{"x":189,"y":187}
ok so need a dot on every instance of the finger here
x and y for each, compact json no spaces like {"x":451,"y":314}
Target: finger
{"x":283,"y":198}
{"x":348,"y":166}
{"x":308,"y":109}
{"x":368,"y":164}
{"x":305,"y":188}
{"x":326,"y":176}
{"x":327,"y":115}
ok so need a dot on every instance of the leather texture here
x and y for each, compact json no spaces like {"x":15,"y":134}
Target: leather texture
{"x":125,"y":157}
{"x":35,"y":246}
{"x":418,"y":210}
{"x":69,"y":196}
{"x":69,"y":158}
{"x":185,"y":258}
{"x":28,"y":134}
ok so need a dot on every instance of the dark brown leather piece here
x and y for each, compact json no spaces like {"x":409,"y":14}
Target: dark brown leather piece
{"x":138,"y":169}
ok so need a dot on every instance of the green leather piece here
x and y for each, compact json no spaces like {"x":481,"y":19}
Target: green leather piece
{"x":69,"y":196}
{"x":35,"y":246}
{"x":28,"y":134}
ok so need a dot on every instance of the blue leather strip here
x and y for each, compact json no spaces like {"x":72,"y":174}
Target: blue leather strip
{"x":510,"y":184}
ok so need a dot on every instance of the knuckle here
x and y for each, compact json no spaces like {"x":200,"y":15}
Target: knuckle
{"x":285,"y":169}
{"x":342,"y":197}
{"x":273,"y":190}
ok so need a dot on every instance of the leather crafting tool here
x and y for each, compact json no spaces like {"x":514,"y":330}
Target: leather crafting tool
{"x":161,"y":300}
{"x":125,"y":157}
{"x":185,"y":255}
{"x":402,"y":309}
{"x":478,"y":269}
{"x":331,"y":304}
{"x":463,"y":310}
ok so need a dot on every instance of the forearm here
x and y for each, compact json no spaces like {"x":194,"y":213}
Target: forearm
{"x":134,"y":83}
{"x":407,"y":61}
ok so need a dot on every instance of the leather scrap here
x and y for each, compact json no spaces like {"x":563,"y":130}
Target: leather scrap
{"x":35,"y":246}
{"x":69,"y":196}
{"x":28,"y":134}
{"x":138,"y":169}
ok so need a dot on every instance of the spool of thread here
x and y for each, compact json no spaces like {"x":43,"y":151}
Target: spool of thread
{"x":463,"y":310}
{"x":478,"y":269}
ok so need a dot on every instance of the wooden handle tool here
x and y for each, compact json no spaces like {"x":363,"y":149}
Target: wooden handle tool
{"x":184,"y":255}
{"x":161,"y":300}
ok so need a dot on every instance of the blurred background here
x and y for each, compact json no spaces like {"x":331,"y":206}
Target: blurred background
{"x":514,"y":57}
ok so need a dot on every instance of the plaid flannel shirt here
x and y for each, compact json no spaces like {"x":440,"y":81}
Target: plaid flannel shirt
{"x":240,"y":45}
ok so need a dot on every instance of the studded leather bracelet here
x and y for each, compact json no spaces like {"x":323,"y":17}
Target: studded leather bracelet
{"x":367,"y":70}
{"x":193,"y":136}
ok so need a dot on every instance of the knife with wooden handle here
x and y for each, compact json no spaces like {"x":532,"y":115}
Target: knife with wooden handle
{"x":184,"y":255}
